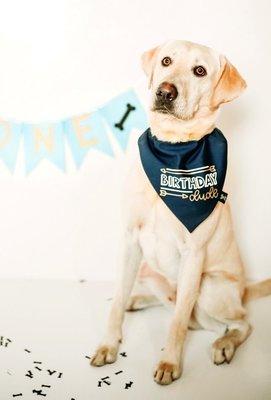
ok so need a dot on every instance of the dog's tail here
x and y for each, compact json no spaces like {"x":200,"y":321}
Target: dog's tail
{"x":256,"y":290}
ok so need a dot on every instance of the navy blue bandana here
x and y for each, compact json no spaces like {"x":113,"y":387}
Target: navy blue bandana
{"x":188,"y":176}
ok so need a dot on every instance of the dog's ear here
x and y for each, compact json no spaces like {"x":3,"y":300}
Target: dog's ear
{"x":230,"y":84}
{"x":148,"y":59}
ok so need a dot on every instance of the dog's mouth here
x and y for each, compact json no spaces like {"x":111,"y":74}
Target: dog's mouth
{"x":161,"y":110}
{"x":164,"y":110}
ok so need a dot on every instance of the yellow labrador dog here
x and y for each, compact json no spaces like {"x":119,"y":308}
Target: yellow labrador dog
{"x":199,"y":273}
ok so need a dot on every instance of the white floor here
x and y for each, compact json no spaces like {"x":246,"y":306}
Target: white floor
{"x":61,"y":322}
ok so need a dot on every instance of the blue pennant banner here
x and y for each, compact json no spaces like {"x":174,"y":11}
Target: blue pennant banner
{"x":82,"y":133}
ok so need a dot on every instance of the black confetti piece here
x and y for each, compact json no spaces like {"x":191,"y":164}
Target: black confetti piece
{"x":108,"y":383}
{"x":60,"y":375}
{"x":51,"y":372}
{"x":47,"y":386}
{"x":17,"y":395}
{"x":87,"y":357}
{"x":106,"y":377}
{"x":37,"y":362}
{"x":39,"y":393}
{"x":99,"y":383}
{"x":118,"y":372}
{"x":29,"y":374}
{"x":38,"y":368}
{"x":123,"y":354}
{"x":128,"y":385}
{"x":28,"y":351}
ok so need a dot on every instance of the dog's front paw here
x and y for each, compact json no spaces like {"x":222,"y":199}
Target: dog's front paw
{"x":167,"y":372}
{"x":104,"y":355}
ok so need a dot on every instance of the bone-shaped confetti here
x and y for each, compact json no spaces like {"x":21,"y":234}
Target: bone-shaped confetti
{"x":39,"y":393}
{"x":51,"y":372}
{"x":29,"y":374}
{"x":128,"y":385}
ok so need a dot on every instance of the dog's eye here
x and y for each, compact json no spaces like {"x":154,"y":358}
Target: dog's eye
{"x":199,"y":71}
{"x":166,"y":61}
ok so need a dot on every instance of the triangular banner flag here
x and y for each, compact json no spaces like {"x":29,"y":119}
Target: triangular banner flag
{"x":10,"y":134}
{"x":86,"y":132}
{"x":44,"y":141}
{"x":123,"y":113}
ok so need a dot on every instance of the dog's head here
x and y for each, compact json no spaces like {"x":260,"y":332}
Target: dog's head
{"x":188,"y":80}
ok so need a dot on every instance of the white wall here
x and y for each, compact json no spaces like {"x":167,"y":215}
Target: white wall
{"x":60,"y":58}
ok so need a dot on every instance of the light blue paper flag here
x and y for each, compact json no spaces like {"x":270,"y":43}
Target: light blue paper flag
{"x":10,"y":134}
{"x":123,"y":113}
{"x":86,"y":132}
{"x":44,"y":141}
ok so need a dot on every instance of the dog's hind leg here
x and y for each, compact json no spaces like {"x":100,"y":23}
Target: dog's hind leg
{"x":141,"y":301}
{"x":151,"y":289}
{"x":219,"y":308}
{"x":141,"y":297}
{"x":223,"y":348}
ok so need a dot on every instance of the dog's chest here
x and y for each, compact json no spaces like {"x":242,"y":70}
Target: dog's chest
{"x":160,"y":246}
{"x":161,"y":235}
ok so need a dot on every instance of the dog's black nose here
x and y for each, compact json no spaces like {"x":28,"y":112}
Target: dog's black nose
{"x":166,"y":92}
